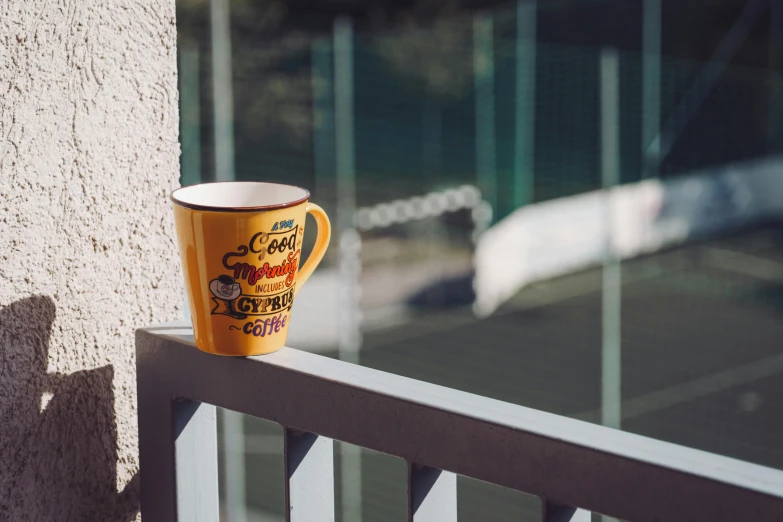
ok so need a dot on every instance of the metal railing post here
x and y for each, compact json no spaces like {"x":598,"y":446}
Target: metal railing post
{"x":611,"y":298}
{"x":775,"y":80}
{"x":190,"y":115}
{"x":323,"y":118}
{"x":651,"y":87}
{"x":525,"y":103}
{"x":223,"y":111}
{"x":178,"y":454}
{"x":222,"y":89}
{"x":484,"y":82}
{"x":344,"y":123}
{"x":349,"y":241}
{"x":350,"y":339}
{"x":156,"y":455}
{"x":432,"y":140}
{"x":610,"y":174}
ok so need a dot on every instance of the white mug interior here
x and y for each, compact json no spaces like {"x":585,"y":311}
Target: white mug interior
{"x":239,"y":195}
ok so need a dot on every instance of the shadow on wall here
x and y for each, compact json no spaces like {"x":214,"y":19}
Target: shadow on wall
{"x":58,"y":434}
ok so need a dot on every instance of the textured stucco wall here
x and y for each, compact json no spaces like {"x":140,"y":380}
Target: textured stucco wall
{"x":88,"y":153}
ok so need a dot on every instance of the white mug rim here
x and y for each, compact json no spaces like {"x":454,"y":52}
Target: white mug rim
{"x":176,"y":197}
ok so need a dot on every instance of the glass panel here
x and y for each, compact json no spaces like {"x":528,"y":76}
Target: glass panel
{"x":260,"y":497}
{"x":379,"y":481}
{"x":419,"y":126}
{"x":482,"y":502}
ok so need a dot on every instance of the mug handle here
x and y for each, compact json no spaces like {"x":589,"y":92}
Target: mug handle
{"x":323,"y":234}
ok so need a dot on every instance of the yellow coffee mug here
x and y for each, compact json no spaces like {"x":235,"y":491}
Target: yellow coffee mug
{"x":240,"y":244}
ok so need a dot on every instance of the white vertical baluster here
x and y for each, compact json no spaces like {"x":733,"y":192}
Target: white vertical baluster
{"x":195,"y":458}
{"x":432,"y":494}
{"x":309,"y":469}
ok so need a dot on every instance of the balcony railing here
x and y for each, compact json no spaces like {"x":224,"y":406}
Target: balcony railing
{"x":573,"y":466}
